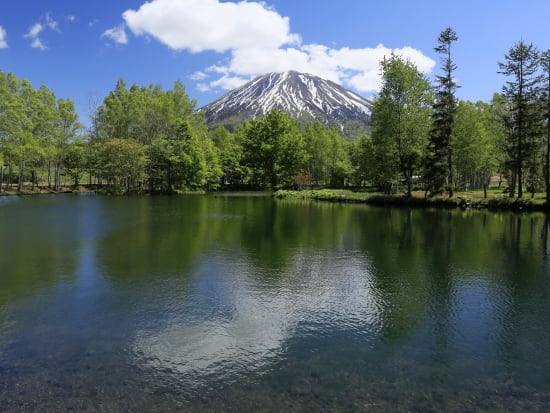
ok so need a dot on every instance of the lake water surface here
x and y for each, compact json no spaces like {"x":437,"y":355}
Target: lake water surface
{"x":245,"y":303}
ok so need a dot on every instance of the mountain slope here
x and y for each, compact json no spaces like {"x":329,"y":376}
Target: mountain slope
{"x":300,"y":95}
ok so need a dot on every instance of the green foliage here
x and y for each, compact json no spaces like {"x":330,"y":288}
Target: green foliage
{"x":123,"y":163}
{"x":328,"y":162}
{"x":177,"y":149}
{"x":147,"y":138}
{"x":439,"y":159}
{"x":347,"y":196}
{"x":400,"y":117}
{"x":523,"y":117}
{"x":273,"y":150}
{"x":75,"y":161}
{"x":35,"y":128}
{"x":474,"y":143}
{"x":230,"y":155}
{"x":545,"y":108}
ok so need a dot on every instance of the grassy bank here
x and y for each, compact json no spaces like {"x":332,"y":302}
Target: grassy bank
{"x":463,"y":200}
{"x":47,"y":191}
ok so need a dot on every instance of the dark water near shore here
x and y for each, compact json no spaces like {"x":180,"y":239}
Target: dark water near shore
{"x":243,"y":303}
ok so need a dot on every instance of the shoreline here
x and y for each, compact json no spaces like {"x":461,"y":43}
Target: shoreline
{"x":81,"y":189}
{"x":377,"y":199}
{"x":341,"y":196}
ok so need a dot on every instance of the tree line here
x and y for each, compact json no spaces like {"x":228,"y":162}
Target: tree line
{"x":423,"y":135}
{"x":150,"y":139}
{"x":36,"y":131}
{"x":144,"y":138}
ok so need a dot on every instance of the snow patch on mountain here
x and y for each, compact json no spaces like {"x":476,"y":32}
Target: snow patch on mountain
{"x":298,"y":94}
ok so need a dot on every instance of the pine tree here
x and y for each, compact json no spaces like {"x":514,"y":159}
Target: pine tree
{"x":522,"y":63}
{"x":545,"y":65}
{"x":439,"y":165}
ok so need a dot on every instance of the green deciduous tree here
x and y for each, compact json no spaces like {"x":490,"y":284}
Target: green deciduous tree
{"x":230,"y":157}
{"x":328,"y":161}
{"x":75,"y":161}
{"x":273,"y":150}
{"x":66,"y":129}
{"x":179,"y":151}
{"x":122,"y":163}
{"x":401,"y":122}
{"x":474,"y":145}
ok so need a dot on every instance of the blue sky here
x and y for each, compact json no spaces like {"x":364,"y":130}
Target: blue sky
{"x":81,"y":48}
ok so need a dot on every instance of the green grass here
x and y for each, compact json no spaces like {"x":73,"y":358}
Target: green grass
{"x":463,"y":200}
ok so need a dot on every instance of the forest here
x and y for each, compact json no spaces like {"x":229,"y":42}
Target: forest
{"x":422,"y":138}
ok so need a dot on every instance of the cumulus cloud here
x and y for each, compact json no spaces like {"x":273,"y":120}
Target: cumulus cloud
{"x":200,"y":25}
{"x":257,"y":40}
{"x":46,"y":23}
{"x":358,"y":69}
{"x":116,"y":34}
{"x":3,"y":38}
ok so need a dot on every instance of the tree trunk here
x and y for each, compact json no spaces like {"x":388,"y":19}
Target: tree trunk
{"x":519,"y":181}
{"x":49,"y":174}
{"x":57,"y":183}
{"x":450,"y":166}
{"x":547,"y":155}
{"x":10,"y":174}
{"x":409,"y":187}
{"x":513,"y":180}
{"x":21,"y":169}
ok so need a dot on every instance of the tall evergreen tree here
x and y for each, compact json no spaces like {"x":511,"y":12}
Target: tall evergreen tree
{"x":522,"y":63}
{"x":545,"y":65}
{"x":439,"y":165}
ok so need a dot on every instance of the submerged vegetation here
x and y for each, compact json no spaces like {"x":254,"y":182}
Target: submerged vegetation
{"x":422,"y":140}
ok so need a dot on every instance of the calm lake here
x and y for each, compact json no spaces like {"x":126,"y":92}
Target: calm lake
{"x":245,"y":303}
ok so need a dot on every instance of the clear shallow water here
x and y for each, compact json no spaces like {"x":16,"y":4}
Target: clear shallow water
{"x":243,"y":303}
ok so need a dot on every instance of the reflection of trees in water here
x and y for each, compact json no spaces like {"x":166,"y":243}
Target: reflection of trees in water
{"x":243,"y":279}
{"x":38,"y":245}
{"x":426,"y":262}
{"x":416,"y":262}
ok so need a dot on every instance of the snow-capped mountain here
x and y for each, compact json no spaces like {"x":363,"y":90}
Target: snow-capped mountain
{"x":302,"y":96}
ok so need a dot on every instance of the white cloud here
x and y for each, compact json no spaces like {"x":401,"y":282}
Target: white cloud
{"x":259,"y":40}
{"x":203,"y":87}
{"x":35,"y":30}
{"x":198,"y":76}
{"x":93,"y":22}
{"x":51,"y":23}
{"x":3,"y":38}
{"x":116,"y":34}
{"x":71,"y":18}
{"x":37,"y":44}
{"x":358,"y":69}
{"x":47,"y":22}
{"x":227,"y":82}
{"x":200,"y":25}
